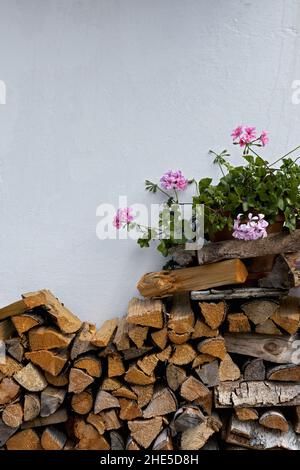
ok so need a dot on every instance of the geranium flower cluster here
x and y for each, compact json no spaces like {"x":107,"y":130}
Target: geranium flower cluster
{"x":253,"y":229}
{"x":174,"y":180}
{"x":123,"y":217}
{"x":246,"y":135}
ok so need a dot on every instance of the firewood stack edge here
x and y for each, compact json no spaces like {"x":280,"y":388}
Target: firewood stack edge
{"x":203,"y":361}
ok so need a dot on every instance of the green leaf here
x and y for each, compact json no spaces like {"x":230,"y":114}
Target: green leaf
{"x":204,"y":183}
{"x":280,"y":204}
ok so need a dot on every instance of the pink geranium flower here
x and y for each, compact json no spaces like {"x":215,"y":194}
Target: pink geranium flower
{"x":246,"y":135}
{"x":123,"y":216}
{"x":264,"y":138}
{"x":174,"y":180}
{"x":237,"y":132}
{"x":254,"y":229}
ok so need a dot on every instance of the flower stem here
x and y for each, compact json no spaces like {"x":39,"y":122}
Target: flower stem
{"x":286,"y":155}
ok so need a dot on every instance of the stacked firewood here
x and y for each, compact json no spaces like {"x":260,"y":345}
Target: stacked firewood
{"x":218,"y":371}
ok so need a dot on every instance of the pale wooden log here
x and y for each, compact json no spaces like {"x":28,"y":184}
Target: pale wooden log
{"x":145,"y":312}
{"x":203,"y":330}
{"x":228,"y":370}
{"x":82,"y":403}
{"x":53,"y":439}
{"x":144,"y":394}
{"x":201,"y":359}
{"x":148,"y":363}
{"x":83,"y":340}
{"x":165,"y":354}
{"x":31,"y":378}
{"x":66,"y":321}
{"x":275,"y":243}
{"x":48,"y":338}
{"x":187,"y":417}
{"x":285,"y":373}
{"x":24,"y":440}
{"x":60,"y":416}
{"x":116,"y":441}
{"x":138,"y":334}
{"x":110,"y":384}
{"x":115,"y":365}
{"x":213,"y":313}
{"x":181,"y":318}
{"x":138,"y":377}
{"x":9,"y":390}
{"x":26,"y":321}
{"x":209,"y":373}
{"x":192,"y":389}
{"x":252,"y":435}
{"x":79,"y":381}
{"x":88,"y":436}
{"x":285,"y":273}
{"x":213,"y":346}
{"x":104,"y":335}
{"x":5,"y":432}
{"x":89,"y":364}
{"x":134,"y":353}
{"x":258,"y":311}
{"x":268,"y":328}
{"x":206,"y":402}
{"x":254,"y":369}
{"x":288,"y":314}
{"x":49,"y":361}
{"x":177,"y":338}
{"x":164,"y":283}
{"x":256,"y":394}
{"x":12,"y":415}
{"x":9,"y":367}
{"x":110,"y":419}
{"x":6,"y":329}
{"x":51,"y":399}
{"x":278,"y":349}
{"x":238,"y":323}
{"x":183,"y":354}
{"x":195,"y":438}
{"x":160,"y":338}
{"x":96,"y":421}
{"x":32,"y":406}
{"x":144,"y":432}
{"x":175,"y":376}
{"x":237,"y":293}
{"x":274,"y":419}
{"x":121,"y":339}
{"x":60,"y":380}
{"x":15,"y":348}
{"x":105,"y":401}
{"x":162,"y":403}
{"x":20,"y":307}
{"x":124,"y":392}
{"x":129,"y":409}
{"x":246,"y":414}
{"x":163,"y":442}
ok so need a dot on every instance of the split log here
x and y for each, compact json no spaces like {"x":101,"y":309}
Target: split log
{"x":82,"y":403}
{"x":111,"y":420}
{"x":60,"y":416}
{"x":138,"y":377}
{"x":163,"y":441}
{"x":132,"y":445}
{"x":79,"y":381}
{"x":175,"y":376}
{"x":258,"y":311}
{"x":32,"y":406}
{"x":246,"y":414}
{"x":121,"y":339}
{"x":134,"y":353}
{"x":148,"y":363}
{"x":160,"y":338}
{"x":285,"y":373}
{"x":49,"y":361}
{"x":209,"y":373}
{"x":25,"y":322}
{"x":83,"y":340}
{"x":195,"y":438}
{"x":9,"y":390}
{"x":144,"y":394}
{"x":288,"y":314}
{"x":202,"y":359}
{"x":268,"y":328}
{"x":31,"y":378}
{"x":203,"y":330}
{"x":165,"y":354}
{"x":115,"y":365}
{"x":24,"y":440}
{"x":254,"y":369}
{"x":181,"y":318}
{"x":96,"y":421}
{"x":15,"y":348}
{"x":187,"y":417}
{"x":238,"y":323}
{"x":116,"y":441}
{"x":213,"y":313}
{"x":124,"y":392}
{"x":12,"y":415}
{"x":51,"y":399}
{"x":183,"y":354}
{"x":104,"y":335}
{"x":162,"y":403}
{"x":278,"y":349}
{"x":274,"y":420}
{"x":177,"y":338}
{"x":228,"y":370}
{"x":6,"y":329}
{"x":89,"y":364}
{"x":9,"y":367}
{"x":89,"y":438}
{"x":144,"y":432}
{"x":256,"y":394}
{"x":129,"y":409}
{"x":275,"y":243}
{"x":145,"y":313}
{"x":20,"y":307}
{"x":164,"y":283}
{"x":53,"y":439}
{"x":192,"y":389}
{"x":105,"y":401}
{"x":237,"y":293}
{"x":138,"y":334}
{"x":213,"y":346}
{"x":5,"y":432}
{"x":285,"y":273}
{"x":60,"y":380}
{"x":110,"y":384}
{"x":47,"y":338}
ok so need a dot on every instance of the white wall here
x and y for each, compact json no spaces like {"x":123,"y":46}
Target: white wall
{"x":104,"y":93}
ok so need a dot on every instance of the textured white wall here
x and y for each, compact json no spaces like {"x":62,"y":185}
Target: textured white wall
{"x":103,"y":93}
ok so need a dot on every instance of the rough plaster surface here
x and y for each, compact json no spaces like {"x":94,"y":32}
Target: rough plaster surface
{"x":103,"y":93}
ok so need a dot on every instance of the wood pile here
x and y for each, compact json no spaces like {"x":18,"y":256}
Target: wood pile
{"x":220,"y":371}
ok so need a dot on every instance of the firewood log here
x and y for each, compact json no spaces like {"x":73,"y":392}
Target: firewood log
{"x":60,"y":380}
{"x":15,"y":348}
{"x":164,"y":283}
{"x":258,"y":311}
{"x":138,"y":334}
{"x":89,"y":364}
{"x":160,"y":338}
{"x":32,"y":406}
{"x":145,"y":313}
{"x":144,"y":394}
{"x":104,"y":335}
{"x":209,"y":373}
{"x":181,"y":318}
{"x":26,"y":321}
{"x":187,"y":417}
{"x":163,"y":442}
{"x":9,"y":390}
{"x":134,"y":353}
{"x":51,"y":399}
{"x":192,"y":389}
{"x":285,"y":373}
{"x":213,"y":313}
{"x":183,"y":354}
{"x":83,"y":340}
{"x":195,"y":438}
{"x":88,"y":437}
{"x":115,"y":365}
{"x":31,"y":378}
{"x":97,"y":421}
{"x":138,"y":377}
{"x":121,"y":339}
{"x":110,"y":384}
{"x":148,"y":363}
{"x":274,"y":419}
{"x":268,"y":327}
{"x":79,"y":381}
{"x":238,"y":323}
{"x":201,"y":359}
{"x":178,"y":338}
{"x":12,"y":415}
{"x":111,"y":420}
{"x":9,"y":367}
{"x":58,"y":417}
{"x":254,"y":369}
{"x":144,"y":431}
{"x":213,"y":346}
{"x":175,"y":376}
{"x":162,"y":403}
{"x":202,"y":330}
{"x":47,"y":338}
{"x":6,"y":329}
{"x":246,"y":414}
{"x":5,"y":432}
{"x":116,"y":441}
{"x":285,"y":272}
{"x":49,"y":361}
{"x":104,"y":401}
{"x":129,"y":409}
{"x":132,"y":445}
{"x":124,"y":392}
{"x":228,"y":370}
{"x":82,"y":403}
{"x":288,"y":314}
{"x":24,"y":440}
{"x":53,"y":439}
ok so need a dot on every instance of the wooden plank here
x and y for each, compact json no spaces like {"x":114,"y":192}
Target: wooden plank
{"x":164,"y":283}
{"x":238,"y":293}
{"x":278,"y":349}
